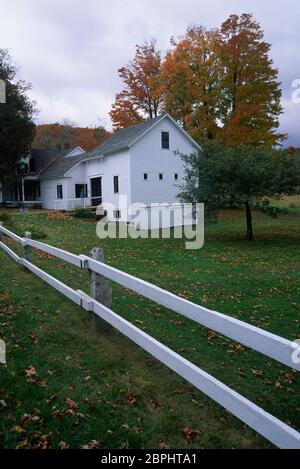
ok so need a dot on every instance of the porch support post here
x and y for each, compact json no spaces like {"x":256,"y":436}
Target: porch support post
{"x":23,"y":191}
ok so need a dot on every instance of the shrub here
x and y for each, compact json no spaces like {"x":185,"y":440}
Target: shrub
{"x":83,"y":213}
{"x":38,"y":234}
{"x":5,"y":217}
{"x":35,"y":232}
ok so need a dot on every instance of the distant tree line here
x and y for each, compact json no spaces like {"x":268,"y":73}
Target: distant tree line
{"x":65,"y":135}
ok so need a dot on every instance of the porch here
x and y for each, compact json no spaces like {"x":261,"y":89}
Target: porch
{"x":24,"y":193}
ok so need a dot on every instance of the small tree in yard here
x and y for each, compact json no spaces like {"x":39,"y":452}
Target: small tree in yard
{"x":224,"y":176}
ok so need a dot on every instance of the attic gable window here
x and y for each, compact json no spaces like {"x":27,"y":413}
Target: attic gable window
{"x":165,"y":140}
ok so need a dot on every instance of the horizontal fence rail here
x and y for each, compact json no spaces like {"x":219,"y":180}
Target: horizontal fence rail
{"x":56,"y":252}
{"x":11,"y":235}
{"x":271,"y":345}
{"x":9,"y":252}
{"x":57,"y":284}
{"x":262,"y":341}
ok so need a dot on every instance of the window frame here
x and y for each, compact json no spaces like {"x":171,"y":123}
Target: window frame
{"x":85,"y":188}
{"x":116,"y":178}
{"x":59,"y":192}
{"x":162,"y":140}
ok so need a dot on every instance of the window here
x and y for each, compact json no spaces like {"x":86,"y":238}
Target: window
{"x":117,"y":214}
{"x":59,"y":191}
{"x":116,"y":184}
{"x":176,"y":176}
{"x":145,"y":176}
{"x":32,"y":167}
{"x":80,"y":191}
{"x":161,"y":176}
{"x":165,"y":140}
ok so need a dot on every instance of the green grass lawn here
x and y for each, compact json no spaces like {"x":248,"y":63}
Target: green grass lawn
{"x":104,"y":388}
{"x":291,"y":203}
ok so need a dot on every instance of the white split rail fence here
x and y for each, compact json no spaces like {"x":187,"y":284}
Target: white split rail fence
{"x":273,"y":346}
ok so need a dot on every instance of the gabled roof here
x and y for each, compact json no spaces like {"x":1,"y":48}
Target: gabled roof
{"x":76,"y":151}
{"x":60,"y":166}
{"x":121,"y":140}
{"x":125,"y":138}
{"x":61,"y":162}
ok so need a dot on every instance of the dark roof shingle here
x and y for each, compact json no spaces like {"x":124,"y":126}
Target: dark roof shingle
{"x":124,"y":138}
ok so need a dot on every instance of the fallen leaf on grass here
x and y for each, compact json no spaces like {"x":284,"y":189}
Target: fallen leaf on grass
{"x":72,"y":404}
{"x":30,"y":373}
{"x":43,"y":441}
{"x":18,"y":429}
{"x":63,"y":445}
{"x":93,"y":444}
{"x":278,"y":385}
{"x":22,"y":443}
{"x":58,"y":414}
{"x":190,"y":434}
{"x":43,"y":384}
{"x":156,"y":404}
{"x":163,"y":445}
{"x":131,"y":399}
{"x":2,"y":404}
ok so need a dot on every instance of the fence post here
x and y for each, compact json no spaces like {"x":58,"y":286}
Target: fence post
{"x":101,"y":291}
{"x":1,"y":234}
{"x":28,"y":249}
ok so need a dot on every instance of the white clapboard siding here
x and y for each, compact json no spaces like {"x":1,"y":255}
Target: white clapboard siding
{"x":9,"y":252}
{"x":64,"y":255}
{"x":264,"y":423}
{"x":57,"y":284}
{"x":11,"y":235}
{"x":262,"y":341}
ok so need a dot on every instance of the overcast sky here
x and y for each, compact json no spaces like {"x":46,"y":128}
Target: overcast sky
{"x":70,"y":50}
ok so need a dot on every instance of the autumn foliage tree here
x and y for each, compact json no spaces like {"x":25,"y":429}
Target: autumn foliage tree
{"x":190,"y":82}
{"x":218,"y":83}
{"x":249,"y":85}
{"x":141,"y":97}
{"x":221,"y":84}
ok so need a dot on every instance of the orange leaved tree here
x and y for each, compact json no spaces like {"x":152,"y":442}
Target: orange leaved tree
{"x":141,"y":96}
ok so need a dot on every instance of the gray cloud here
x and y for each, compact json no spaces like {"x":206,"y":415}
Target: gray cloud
{"x":71,"y":50}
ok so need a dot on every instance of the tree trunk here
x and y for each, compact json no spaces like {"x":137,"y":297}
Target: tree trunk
{"x":249,"y":235}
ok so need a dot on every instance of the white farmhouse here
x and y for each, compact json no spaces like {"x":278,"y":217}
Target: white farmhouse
{"x":139,"y":162}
